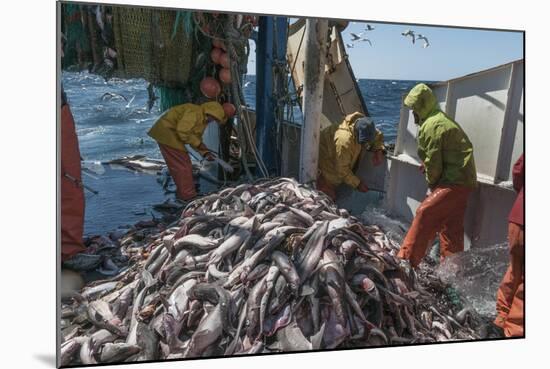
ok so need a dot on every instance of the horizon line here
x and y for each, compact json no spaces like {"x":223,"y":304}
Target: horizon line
{"x":384,"y":79}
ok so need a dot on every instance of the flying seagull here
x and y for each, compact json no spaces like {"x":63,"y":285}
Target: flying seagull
{"x":369,"y":27}
{"x":422,"y":37}
{"x":409,"y":33}
{"x":111,"y":95}
{"x":366,"y":39}
{"x":349,"y":45}
{"x":130,"y":102}
{"x":355,"y":36}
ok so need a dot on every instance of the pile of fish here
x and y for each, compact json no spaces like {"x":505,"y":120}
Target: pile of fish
{"x":272,"y":266}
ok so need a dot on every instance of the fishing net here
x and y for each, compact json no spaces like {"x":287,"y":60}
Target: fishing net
{"x":190,"y":92}
{"x":172,"y":96}
{"x":134,"y":42}
{"x":170,"y":49}
{"x":77,"y":45}
{"x":176,"y":49}
{"x":152,"y":45}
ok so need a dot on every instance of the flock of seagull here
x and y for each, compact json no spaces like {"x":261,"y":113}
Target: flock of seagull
{"x":359,"y":37}
{"x":417,"y":36}
{"x":408,"y":33}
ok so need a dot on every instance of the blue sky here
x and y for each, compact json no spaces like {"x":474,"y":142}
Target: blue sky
{"x":452,"y":52}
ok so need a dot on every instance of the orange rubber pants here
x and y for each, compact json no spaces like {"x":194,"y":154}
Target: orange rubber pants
{"x":72,"y":194}
{"x":325,"y":187}
{"x":510,"y":294}
{"x":442,"y":211}
{"x":181,"y":170}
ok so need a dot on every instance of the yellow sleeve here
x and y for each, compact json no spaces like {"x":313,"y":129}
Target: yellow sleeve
{"x":344,"y":158}
{"x":185,"y":126}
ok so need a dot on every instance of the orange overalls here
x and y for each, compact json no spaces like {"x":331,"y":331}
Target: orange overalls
{"x":510,"y":295}
{"x":72,"y":193}
{"x":442,"y":211}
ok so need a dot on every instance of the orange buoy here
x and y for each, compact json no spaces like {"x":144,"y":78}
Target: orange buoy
{"x":229,"y":109}
{"x":219,"y":44}
{"x":215,"y":55}
{"x":224,"y":60}
{"x":210,"y":87}
{"x":225,"y":75}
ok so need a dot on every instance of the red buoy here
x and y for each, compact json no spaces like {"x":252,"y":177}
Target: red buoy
{"x":215,"y":55}
{"x":229,"y":109}
{"x":224,"y":60}
{"x":225,"y":75}
{"x":219,"y":44}
{"x":210,"y":87}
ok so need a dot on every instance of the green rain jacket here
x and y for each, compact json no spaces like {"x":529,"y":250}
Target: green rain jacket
{"x":443,"y":147}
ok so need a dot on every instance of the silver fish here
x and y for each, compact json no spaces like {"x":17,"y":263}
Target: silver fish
{"x":117,"y":352}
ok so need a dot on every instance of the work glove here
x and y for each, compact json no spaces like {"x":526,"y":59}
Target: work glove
{"x":209,"y":156}
{"x":205,"y":152}
{"x":362,"y":187}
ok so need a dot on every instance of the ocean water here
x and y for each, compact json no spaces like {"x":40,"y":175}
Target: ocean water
{"x":112,"y":121}
{"x":383,"y":99}
{"x":110,"y":127}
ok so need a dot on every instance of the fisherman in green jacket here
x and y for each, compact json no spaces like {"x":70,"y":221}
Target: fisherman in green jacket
{"x":447,"y":159}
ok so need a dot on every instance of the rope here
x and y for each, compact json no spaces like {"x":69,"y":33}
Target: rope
{"x":245,"y":118}
{"x":296,"y":57}
{"x":231,"y":37}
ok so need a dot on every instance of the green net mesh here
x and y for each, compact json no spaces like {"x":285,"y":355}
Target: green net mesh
{"x":172,"y":96}
{"x":134,"y":42}
{"x":169,"y":48}
{"x":147,"y":46}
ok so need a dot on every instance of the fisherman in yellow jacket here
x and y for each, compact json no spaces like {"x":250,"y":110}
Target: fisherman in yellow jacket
{"x":185,"y":124}
{"x":339,"y":151}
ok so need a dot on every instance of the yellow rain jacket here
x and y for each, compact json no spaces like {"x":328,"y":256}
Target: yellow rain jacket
{"x":443,"y":147}
{"x":339,"y":151}
{"x":185,"y":124}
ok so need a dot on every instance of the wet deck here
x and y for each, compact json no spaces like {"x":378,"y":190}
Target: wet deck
{"x":125,"y":197}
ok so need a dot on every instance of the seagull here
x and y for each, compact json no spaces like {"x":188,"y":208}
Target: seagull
{"x":247,"y":84}
{"x":355,"y":36}
{"x":422,"y":37}
{"x":350,"y":46}
{"x":130,"y":102}
{"x":369,"y":27}
{"x":409,"y":33}
{"x":111,"y":95}
{"x":366,"y":39}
